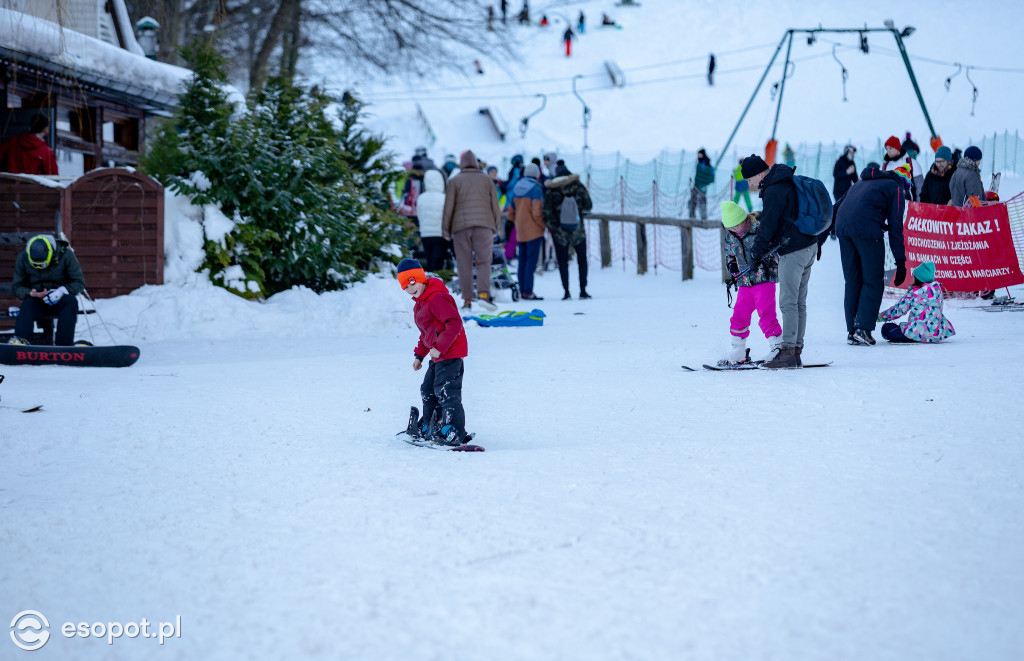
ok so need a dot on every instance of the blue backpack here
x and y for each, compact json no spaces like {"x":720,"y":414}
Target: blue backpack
{"x":815,"y":204}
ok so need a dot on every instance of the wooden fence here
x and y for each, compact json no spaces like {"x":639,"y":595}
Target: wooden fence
{"x":685,"y":226}
{"x":113,"y":218}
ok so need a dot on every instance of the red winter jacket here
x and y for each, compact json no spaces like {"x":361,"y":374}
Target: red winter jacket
{"x":27,"y":154}
{"x":437,"y":316}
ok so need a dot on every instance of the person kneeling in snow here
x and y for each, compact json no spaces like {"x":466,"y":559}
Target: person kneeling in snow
{"x":755,"y":286}
{"x":923,"y":306}
{"x":443,"y":338}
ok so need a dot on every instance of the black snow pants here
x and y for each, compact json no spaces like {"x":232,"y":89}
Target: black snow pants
{"x":442,"y":391}
{"x":864,"y":271}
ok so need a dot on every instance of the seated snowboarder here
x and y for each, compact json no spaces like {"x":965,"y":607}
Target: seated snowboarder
{"x":47,"y":277}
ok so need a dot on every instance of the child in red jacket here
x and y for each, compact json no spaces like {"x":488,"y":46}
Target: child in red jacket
{"x":443,"y":338}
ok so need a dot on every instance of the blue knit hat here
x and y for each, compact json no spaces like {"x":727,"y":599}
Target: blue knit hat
{"x":945,"y":153}
{"x":973,"y":153}
{"x":924,"y":272}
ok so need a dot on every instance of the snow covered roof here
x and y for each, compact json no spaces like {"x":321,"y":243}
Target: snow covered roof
{"x":45,"y":44}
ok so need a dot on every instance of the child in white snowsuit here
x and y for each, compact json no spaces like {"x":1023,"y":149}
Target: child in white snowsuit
{"x":923,"y":306}
{"x":755,"y":286}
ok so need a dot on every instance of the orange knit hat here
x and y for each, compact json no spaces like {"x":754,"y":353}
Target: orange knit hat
{"x":410,"y":271}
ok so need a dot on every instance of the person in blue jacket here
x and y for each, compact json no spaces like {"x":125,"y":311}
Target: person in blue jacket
{"x":873,"y":206}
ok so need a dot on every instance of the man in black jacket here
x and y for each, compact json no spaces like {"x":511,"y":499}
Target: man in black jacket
{"x":844,"y":172}
{"x":871,"y":207}
{"x":47,"y":277}
{"x":796,"y":251}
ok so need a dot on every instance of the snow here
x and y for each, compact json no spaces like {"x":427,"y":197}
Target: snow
{"x":244,"y":474}
{"x":84,"y":54}
{"x":666,"y":103}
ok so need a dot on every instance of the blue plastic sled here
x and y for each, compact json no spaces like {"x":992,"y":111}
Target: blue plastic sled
{"x":534,"y":317}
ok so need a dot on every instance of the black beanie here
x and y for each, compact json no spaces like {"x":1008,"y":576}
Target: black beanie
{"x":561,"y":170}
{"x":753,"y":165}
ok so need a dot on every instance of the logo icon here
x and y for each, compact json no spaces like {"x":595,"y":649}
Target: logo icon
{"x":27,"y":632}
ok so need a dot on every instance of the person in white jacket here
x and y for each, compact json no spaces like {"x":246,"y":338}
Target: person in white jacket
{"x":430,"y":209}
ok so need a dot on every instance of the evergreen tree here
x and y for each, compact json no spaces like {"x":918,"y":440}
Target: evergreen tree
{"x":308,"y":196}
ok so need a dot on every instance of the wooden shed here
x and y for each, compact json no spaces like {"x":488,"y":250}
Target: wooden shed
{"x":113,"y":218}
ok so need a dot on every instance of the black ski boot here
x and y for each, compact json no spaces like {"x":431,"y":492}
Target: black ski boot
{"x":862,"y":337}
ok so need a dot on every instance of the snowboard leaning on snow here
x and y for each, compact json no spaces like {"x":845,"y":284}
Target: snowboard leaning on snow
{"x":410,"y":436}
{"x":30,"y":354}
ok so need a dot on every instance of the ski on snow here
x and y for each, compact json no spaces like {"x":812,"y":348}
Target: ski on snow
{"x":18,"y":408}
{"x":744,"y":367}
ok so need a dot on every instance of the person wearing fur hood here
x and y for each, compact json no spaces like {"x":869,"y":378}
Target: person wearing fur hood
{"x":566,"y":234}
{"x":966,"y":181}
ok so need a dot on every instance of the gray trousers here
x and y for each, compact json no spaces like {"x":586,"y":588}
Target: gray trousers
{"x":794,"y":273}
{"x":473,"y":247}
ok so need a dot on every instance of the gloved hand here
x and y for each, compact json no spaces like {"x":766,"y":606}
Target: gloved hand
{"x":54,"y":295}
{"x":13,"y":311}
{"x":434,"y":353}
{"x":734,"y":268}
{"x":901,"y":274}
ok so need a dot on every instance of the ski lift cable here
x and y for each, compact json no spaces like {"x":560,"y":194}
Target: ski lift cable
{"x":423,"y":96}
{"x":564,"y":79}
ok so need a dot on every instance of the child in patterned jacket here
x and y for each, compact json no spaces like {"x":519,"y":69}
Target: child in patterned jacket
{"x":755,"y":287}
{"x":923,"y":306}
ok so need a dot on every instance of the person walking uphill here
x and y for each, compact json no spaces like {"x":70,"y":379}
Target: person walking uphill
{"x":443,"y":338}
{"x":471,"y":220}
{"x":874,"y":205}
{"x":47,"y":278}
{"x":527,"y":212}
{"x":796,"y":251}
{"x":566,"y":199}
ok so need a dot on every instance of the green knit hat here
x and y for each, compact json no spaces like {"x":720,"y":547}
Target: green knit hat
{"x":732,"y":214}
{"x":925,"y":272}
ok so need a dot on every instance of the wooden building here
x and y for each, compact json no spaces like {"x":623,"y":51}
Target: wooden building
{"x":78,"y":62}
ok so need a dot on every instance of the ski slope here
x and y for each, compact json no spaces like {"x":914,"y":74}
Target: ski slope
{"x":663,"y":50}
{"x":244,"y":476}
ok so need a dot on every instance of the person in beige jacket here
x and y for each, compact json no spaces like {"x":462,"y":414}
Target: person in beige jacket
{"x":470,"y":222}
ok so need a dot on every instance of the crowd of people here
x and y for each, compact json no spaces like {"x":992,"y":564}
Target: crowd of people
{"x":469,"y":211}
{"x":769,"y":249}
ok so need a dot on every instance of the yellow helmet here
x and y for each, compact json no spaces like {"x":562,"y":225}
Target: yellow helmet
{"x":40,"y":251}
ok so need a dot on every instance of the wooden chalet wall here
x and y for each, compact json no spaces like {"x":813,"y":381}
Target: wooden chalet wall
{"x":113,"y":218}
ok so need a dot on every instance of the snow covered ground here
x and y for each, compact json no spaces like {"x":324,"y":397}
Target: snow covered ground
{"x":244,"y":476}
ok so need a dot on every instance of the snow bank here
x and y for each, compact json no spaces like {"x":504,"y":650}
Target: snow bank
{"x":196,"y":309}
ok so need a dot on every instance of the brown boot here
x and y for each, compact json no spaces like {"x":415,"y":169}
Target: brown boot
{"x":799,"y":362}
{"x":785,"y":360}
